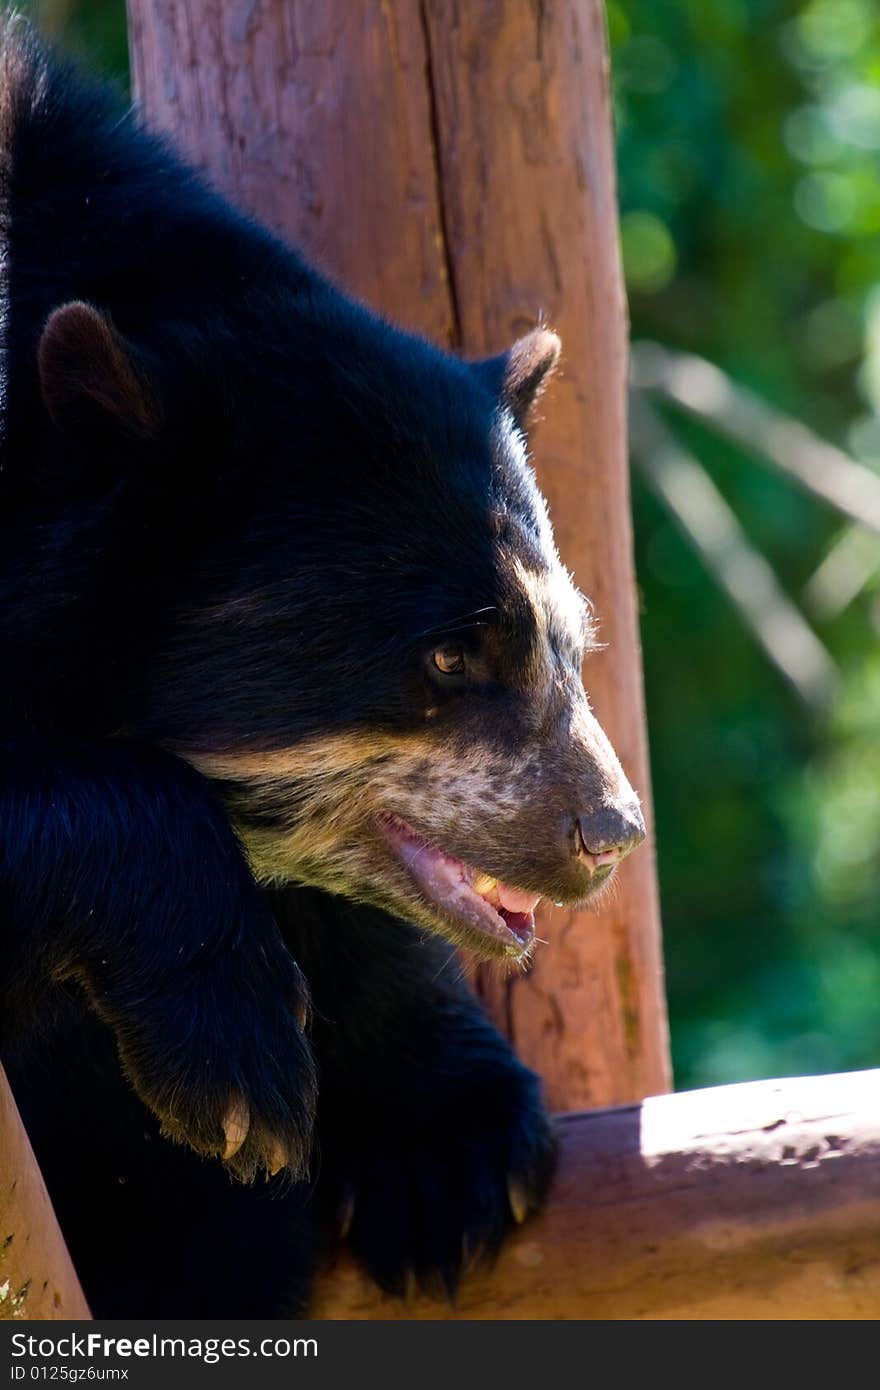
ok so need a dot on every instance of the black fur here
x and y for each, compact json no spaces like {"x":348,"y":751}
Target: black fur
{"x":119,"y":869}
{"x":237,"y":513}
{"x":424,"y":1113}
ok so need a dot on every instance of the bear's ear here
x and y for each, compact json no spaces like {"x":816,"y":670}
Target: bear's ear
{"x":89,"y":375}
{"x":519,"y":376}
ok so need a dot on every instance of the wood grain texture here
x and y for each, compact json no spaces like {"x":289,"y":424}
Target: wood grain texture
{"x":315,"y":118}
{"x":528,"y":179}
{"x":758,"y":1201}
{"x":37,"y":1279}
{"x":453,"y":164}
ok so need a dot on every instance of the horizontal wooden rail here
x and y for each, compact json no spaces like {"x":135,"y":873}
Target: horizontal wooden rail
{"x":755,"y":1201}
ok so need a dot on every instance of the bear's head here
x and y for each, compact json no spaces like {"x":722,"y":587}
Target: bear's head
{"x":352,"y":614}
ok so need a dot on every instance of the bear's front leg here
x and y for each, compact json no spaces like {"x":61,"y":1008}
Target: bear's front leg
{"x":118,"y":868}
{"x":433,"y":1138}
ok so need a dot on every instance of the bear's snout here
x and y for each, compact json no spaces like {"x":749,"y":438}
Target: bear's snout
{"x":608,"y":835}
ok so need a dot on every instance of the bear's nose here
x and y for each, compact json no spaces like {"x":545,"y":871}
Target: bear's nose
{"x":606,"y":836}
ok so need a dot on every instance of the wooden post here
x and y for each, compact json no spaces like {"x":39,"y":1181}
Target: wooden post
{"x":454,"y":166}
{"x":37,"y":1279}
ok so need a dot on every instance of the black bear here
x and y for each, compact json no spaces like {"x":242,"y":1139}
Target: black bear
{"x":291,"y":707}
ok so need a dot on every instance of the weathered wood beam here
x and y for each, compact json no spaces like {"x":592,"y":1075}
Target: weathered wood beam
{"x":755,"y":1201}
{"x":37,"y":1279}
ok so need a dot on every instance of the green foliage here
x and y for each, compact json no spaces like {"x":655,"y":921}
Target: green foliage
{"x":749,"y":142}
{"x":93,"y":29}
{"x":749,"y":132}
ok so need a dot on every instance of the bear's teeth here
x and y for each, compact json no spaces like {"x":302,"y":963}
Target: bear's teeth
{"x":483,"y":884}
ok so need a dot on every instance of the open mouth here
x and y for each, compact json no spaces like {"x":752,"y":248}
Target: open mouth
{"x":477,"y":900}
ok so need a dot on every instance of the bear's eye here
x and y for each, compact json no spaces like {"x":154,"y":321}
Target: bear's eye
{"x":449,"y":660}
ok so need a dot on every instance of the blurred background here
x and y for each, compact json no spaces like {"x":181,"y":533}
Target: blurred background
{"x":749,"y":166}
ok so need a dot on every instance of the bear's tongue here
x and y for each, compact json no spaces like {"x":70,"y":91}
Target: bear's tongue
{"x":492,"y":907}
{"x":513,"y":899}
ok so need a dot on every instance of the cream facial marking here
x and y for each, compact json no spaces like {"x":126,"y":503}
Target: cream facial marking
{"x":442,"y":830}
{"x":562,"y":614}
{"x":563,"y":628}
{"x":336,"y":807}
